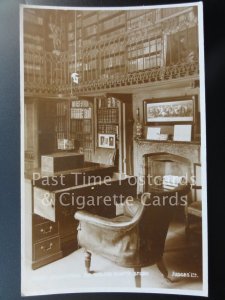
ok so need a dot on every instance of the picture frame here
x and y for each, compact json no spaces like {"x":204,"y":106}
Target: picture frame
{"x":175,"y":110}
{"x":182,"y":133}
{"x":107,"y":141}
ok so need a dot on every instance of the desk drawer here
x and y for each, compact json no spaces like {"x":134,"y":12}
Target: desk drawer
{"x":46,"y":248}
{"x":45,"y":230}
{"x":44,"y":204}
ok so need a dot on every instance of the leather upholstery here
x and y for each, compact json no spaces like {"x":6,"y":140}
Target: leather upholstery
{"x":135,"y":239}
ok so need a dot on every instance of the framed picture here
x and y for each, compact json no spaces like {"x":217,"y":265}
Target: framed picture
{"x":182,"y":133}
{"x":180,"y":110}
{"x":107,"y":141}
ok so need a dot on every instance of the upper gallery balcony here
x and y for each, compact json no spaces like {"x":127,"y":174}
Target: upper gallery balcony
{"x":137,"y":49}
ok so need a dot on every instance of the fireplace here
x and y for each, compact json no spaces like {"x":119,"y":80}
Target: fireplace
{"x":190,"y":151}
{"x":165,"y":171}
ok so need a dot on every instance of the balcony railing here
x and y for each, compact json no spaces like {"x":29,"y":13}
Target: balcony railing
{"x":162,"y":51}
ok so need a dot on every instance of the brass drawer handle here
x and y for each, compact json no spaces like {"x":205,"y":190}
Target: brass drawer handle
{"x":46,"y":231}
{"x":92,"y":188}
{"x":47,"y":249}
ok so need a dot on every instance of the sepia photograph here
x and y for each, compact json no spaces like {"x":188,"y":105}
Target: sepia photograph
{"x":106,"y":141}
{"x":170,"y":111}
{"x":113,"y":150}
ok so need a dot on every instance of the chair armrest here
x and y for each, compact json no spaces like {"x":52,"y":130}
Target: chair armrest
{"x":102,"y":222}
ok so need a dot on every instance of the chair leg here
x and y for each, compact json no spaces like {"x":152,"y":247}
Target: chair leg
{"x":137,"y":271}
{"x":88,"y":261}
{"x":162,"y":268}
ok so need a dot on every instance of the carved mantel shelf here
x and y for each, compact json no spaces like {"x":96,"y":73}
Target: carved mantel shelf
{"x":142,"y":141}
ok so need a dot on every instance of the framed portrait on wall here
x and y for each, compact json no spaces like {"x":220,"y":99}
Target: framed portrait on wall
{"x":107,"y":141}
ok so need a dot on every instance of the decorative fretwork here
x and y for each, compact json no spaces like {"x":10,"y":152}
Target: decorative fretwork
{"x":158,"y":45}
{"x":117,"y":80}
{"x":155,"y":74}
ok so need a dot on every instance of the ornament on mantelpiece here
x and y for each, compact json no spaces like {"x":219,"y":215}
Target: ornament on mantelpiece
{"x":139,"y":127}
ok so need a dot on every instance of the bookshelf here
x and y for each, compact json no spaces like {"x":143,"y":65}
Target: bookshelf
{"x":62,"y":124}
{"x":113,"y":23}
{"x":81,"y":126}
{"x":108,"y":116}
{"x":107,"y":48}
{"x":133,"y":41}
{"x":108,"y":125}
{"x":33,"y":46}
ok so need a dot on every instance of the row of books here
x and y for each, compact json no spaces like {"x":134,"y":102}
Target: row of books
{"x":86,"y":13}
{"x":115,"y":47}
{"x":144,"y":63}
{"x":80,"y":103}
{"x":65,"y":144}
{"x":106,"y":115}
{"x":83,"y":126}
{"x":90,"y":20}
{"x":144,"y":20}
{"x":61,"y":135}
{"x":107,"y":14}
{"x":153,"y":14}
{"x":90,"y":30}
{"x":92,"y":64}
{"x":61,"y":109}
{"x":140,"y":49}
{"x":145,"y":48}
{"x":92,"y":54}
{"x":117,"y":60}
{"x":116,"y":34}
{"x":108,"y":102}
{"x":85,"y":140}
{"x":61,"y":124}
{"x":89,"y":42}
{"x":108,"y":129}
{"x":139,"y":36}
{"x":114,"y":22}
{"x":80,"y":113}
{"x":166,"y":12}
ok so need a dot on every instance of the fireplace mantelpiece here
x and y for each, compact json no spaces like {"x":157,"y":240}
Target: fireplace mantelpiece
{"x":189,"y":150}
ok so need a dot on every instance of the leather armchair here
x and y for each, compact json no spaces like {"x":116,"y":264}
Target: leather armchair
{"x":134,"y":239}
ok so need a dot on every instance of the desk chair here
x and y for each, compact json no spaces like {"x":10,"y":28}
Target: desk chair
{"x":134,"y":239}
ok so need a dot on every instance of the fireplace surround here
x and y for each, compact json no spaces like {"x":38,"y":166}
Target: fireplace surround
{"x":183,"y":153}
